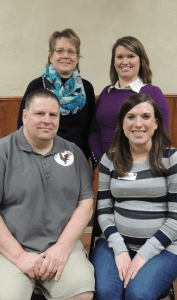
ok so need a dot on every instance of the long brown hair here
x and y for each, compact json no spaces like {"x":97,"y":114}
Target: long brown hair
{"x":68,"y":34}
{"x":132,"y":44}
{"x":119,"y":152}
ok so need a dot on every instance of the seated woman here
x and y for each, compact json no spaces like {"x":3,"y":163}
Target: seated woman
{"x":136,"y":254}
{"x":130,"y":73}
{"x":75,"y":95}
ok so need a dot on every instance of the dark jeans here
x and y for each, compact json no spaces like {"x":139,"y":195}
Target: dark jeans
{"x":150,"y":282}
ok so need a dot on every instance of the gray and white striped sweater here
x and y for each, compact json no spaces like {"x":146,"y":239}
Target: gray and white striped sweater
{"x":139,"y":214}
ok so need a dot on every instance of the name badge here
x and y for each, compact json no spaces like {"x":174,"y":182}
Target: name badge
{"x":129,"y":176}
{"x":65,"y":159}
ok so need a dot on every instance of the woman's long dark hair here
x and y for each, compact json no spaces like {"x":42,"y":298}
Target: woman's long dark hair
{"x":119,"y":152}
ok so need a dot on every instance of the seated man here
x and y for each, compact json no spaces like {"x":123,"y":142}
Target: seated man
{"x":46,"y":200}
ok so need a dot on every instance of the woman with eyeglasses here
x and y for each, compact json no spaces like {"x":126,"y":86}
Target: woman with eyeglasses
{"x":75,"y":95}
{"x":130,"y":73}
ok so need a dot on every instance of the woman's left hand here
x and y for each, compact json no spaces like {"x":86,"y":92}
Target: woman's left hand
{"x":136,"y":264}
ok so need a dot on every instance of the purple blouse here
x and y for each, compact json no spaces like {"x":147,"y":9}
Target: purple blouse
{"x":104,"y":122}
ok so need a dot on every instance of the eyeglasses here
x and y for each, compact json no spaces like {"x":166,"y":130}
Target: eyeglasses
{"x":62,"y":51}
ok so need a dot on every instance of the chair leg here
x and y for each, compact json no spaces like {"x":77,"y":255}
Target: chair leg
{"x":171,"y":292}
{"x":37,"y":297}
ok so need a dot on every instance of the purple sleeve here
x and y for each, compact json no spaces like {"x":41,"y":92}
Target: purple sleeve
{"x":161,"y":101}
{"x":95,"y":139}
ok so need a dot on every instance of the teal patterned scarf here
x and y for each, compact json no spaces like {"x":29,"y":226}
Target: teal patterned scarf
{"x":71,"y":95}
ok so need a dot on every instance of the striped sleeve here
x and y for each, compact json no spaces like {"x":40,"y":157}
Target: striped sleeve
{"x":166,"y":234}
{"x":106,"y":208}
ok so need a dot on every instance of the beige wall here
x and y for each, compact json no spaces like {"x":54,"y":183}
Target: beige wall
{"x":25,"y":26}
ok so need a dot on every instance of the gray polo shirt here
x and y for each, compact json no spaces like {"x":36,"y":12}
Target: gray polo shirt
{"x":39,"y":193}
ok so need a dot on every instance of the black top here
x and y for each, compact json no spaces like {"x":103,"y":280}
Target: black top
{"x":73,"y":127}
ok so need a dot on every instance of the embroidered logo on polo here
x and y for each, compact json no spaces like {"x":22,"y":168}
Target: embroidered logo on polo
{"x":65,"y":159}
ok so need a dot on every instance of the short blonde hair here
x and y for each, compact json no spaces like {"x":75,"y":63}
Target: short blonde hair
{"x":68,"y":34}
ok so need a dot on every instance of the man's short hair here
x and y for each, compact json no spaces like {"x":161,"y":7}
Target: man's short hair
{"x":41,"y":93}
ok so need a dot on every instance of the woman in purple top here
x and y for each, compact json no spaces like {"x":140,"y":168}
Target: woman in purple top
{"x":130,"y":73}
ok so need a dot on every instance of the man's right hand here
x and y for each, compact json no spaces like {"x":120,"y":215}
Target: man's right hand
{"x":30,"y":264}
